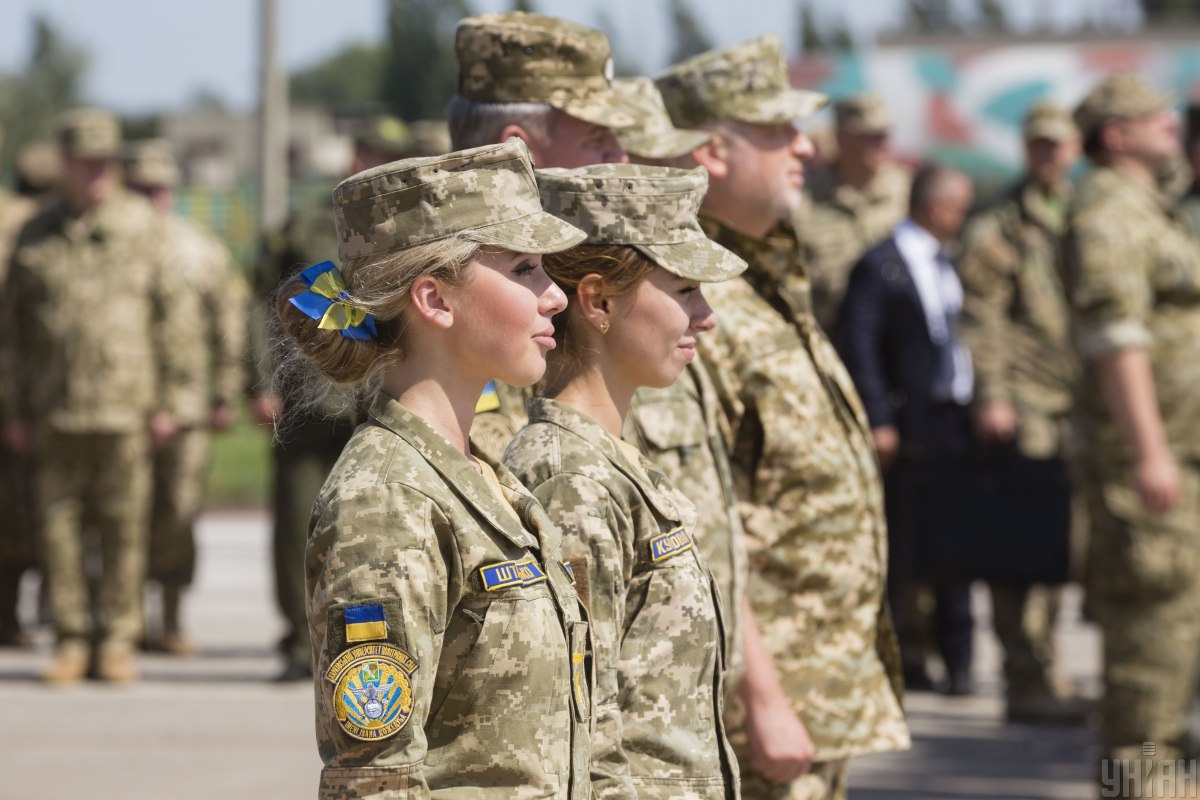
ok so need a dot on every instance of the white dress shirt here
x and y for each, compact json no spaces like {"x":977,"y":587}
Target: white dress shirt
{"x":941,"y":295}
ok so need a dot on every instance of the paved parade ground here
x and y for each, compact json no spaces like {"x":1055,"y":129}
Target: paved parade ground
{"x":215,"y":726}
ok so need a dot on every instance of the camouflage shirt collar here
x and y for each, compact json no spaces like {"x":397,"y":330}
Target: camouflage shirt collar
{"x":644,"y":474}
{"x":1115,"y":181}
{"x":772,"y":258}
{"x":1033,"y":203}
{"x":460,"y":475}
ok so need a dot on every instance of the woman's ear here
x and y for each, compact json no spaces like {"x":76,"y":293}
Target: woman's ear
{"x":714,"y":155}
{"x":593,"y":304}
{"x":430,"y":302}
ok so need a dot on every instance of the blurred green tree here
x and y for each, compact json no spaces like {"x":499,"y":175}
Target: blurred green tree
{"x":524,"y":5}
{"x":690,"y":37}
{"x":420,"y":71}
{"x":352,"y":77}
{"x":50,"y":83}
{"x":930,"y":16}
{"x":808,"y":35}
{"x":1163,"y":11}
{"x":991,"y":17}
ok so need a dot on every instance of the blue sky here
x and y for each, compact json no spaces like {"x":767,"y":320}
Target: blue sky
{"x":154,"y":56}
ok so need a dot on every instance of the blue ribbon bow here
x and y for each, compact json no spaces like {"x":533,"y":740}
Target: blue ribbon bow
{"x":328,"y":302}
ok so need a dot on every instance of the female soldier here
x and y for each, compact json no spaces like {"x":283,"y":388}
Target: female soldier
{"x":635,"y":310}
{"x":448,"y":642}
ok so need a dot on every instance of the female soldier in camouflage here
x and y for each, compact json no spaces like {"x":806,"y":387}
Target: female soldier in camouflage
{"x":449,"y":648}
{"x":635,"y":310}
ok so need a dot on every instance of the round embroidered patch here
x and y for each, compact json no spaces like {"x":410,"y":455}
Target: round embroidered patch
{"x":372,"y":690}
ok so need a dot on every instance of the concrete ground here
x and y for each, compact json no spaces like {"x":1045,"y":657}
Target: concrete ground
{"x":215,"y":726}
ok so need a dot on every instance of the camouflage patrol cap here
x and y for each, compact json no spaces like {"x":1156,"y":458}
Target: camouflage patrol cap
{"x":88,"y":133}
{"x":862,"y":113}
{"x":386,"y":135}
{"x":1048,"y":120}
{"x":516,"y":57}
{"x":652,"y":209}
{"x":150,"y":163}
{"x":487,"y":195}
{"x":1122,"y":96}
{"x":653,"y":136}
{"x":747,"y":82}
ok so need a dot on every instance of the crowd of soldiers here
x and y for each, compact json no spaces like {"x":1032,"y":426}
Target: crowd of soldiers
{"x":124,"y":329}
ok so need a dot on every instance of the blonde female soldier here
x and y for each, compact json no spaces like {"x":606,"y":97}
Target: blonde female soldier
{"x":634,"y":313}
{"x":449,"y":648}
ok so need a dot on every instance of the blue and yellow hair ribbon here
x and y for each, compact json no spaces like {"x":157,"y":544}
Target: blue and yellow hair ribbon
{"x":328,"y":301}
{"x":488,"y":400}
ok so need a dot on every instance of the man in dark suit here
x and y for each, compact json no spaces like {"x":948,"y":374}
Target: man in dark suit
{"x":898,"y":335}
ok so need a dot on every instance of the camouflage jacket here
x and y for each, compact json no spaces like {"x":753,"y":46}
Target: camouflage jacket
{"x":1133,"y":280}
{"x":683,"y":431}
{"x":423,"y":584}
{"x":838,"y":223}
{"x":207,"y":324}
{"x":1015,"y":318}
{"x":85,"y":305}
{"x":1189,"y":210}
{"x":810,"y":499}
{"x":655,"y":609}
{"x":309,"y":237}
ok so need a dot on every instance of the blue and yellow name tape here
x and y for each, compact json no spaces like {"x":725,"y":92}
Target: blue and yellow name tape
{"x":364,"y":623}
{"x":669,"y":544}
{"x":511,"y":573}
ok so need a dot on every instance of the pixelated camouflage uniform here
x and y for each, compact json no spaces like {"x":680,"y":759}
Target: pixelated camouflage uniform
{"x":17,"y":541}
{"x":1188,"y":210}
{"x":502,"y":699}
{"x":683,"y":431}
{"x":656,"y":623}
{"x":1133,"y":280}
{"x":87,"y":302}
{"x":1016,"y":322}
{"x":309,"y":443}
{"x":811,"y":506}
{"x":838,"y":222}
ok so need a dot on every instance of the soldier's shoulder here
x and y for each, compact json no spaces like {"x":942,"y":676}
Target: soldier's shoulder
{"x":895,"y":177}
{"x":376,"y":461}
{"x":542,"y":451}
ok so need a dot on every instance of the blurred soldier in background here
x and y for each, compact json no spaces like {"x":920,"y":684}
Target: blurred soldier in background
{"x":16,"y":534}
{"x":307,"y":444}
{"x":1016,"y":323}
{"x":87,"y":392}
{"x":1133,"y":281}
{"x":821,"y":674}
{"x":207,"y":330}
{"x":852,"y":204}
{"x":1189,"y":204}
{"x":547,"y":82}
{"x":682,"y":427}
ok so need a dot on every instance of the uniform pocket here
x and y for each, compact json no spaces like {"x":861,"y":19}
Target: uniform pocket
{"x":504,"y":676}
{"x":671,"y":425}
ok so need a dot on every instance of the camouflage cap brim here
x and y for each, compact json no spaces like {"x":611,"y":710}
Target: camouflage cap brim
{"x":599,"y":106}
{"x":668,"y":144}
{"x":536,"y":233}
{"x":699,"y":259}
{"x":785,"y":106}
{"x":1050,"y":129}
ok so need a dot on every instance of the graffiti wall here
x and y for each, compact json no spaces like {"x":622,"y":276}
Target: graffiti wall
{"x":963,"y":104}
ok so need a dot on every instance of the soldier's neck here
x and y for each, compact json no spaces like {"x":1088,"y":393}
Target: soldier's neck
{"x":858,"y":176}
{"x":1135,"y":170}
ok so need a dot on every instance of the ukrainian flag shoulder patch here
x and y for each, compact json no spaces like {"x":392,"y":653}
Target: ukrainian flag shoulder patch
{"x":669,"y":544}
{"x":489,"y":400}
{"x":511,"y":573}
{"x":365,"y":622}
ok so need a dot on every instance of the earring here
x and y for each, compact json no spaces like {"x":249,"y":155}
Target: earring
{"x":604,"y":327}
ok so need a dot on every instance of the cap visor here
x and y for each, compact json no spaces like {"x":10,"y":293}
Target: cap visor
{"x":699,"y":259}
{"x":539,"y":232}
{"x":785,"y":106}
{"x":603,"y":107}
{"x":668,"y":145}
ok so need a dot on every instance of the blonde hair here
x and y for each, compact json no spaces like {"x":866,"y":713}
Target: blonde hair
{"x":313,"y":363}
